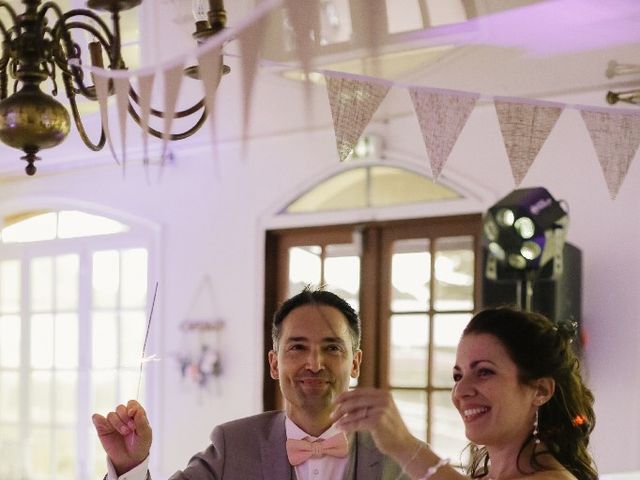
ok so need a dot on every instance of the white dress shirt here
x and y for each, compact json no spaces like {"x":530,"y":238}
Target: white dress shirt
{"x":136,"y":473}
{"x":323,"y":468}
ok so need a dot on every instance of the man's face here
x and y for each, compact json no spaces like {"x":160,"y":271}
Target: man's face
{"x":314,"y":360}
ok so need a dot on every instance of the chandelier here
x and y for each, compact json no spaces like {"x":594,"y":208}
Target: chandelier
{"x":39,"y":48}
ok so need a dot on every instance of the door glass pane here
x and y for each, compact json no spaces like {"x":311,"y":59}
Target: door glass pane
{"x":9,"y":397}
{"x":66,"y":347}
{"x":11,"y":452}
{"x":413,"y":409}
{"x":129,"y":385}
{"x":410,"y":274}
{"x":40,"y":449}
{"x":447,"y":329}
{"x":9,"y":341}
{"x":132,"y":332}
{"x":40,"y":397}
{"x":447,"y":435}
{"x":104,"y":345}
{"x":66,"y":397}
{"x":106,"y":279}
{"x":409,"y":350}
{"x":41,"y":284}
{"x":134,"y":278}
{"x":304,"y":268}
{"x":67,"y":282}
{"x":10,"y":286}
{"x":65,"y":448}
{"x":104,"y":391}
{"x":454,"y":267}
{"x":42,"y":341}
{"x":342,"y":272}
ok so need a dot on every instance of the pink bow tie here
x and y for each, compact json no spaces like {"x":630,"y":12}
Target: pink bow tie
{"x":299,"y":451}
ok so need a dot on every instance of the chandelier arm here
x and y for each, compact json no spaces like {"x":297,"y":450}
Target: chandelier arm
{"x":77,"y":119}
{"x":159,"y":113}
{"x":3,"y":83}
{"x":172,"y":136}
{"x":4,"y":60}
{"x":78,"y":12}
{"x":12,"y":13}
{"x":61,"y":32}
{"x":76,"y":72}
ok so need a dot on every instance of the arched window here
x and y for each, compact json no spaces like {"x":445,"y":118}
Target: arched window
{"x":73,"y":303}
{"x":413,"y":278}
{"x":370,"y":186}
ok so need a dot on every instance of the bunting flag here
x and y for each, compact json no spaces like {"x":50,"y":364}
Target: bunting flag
{"x":172,"y":80}
{"x":251,"y":40}
{"x":145,"y":87}
{"x":441,"y":115}
{"x":102,"y":92}
{"x":615,"y":137}
{"x":525,"y":126}
{"x":210,"y":68}
{"x":304,"y":18}
{"x":353,"y":103}
{"x":121,"y":87}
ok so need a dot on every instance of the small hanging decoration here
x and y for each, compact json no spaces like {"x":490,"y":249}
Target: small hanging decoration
{"x":199,"y":357}
{"x":200,"y":363}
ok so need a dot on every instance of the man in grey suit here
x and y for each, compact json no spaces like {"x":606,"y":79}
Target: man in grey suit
{"x":316,"y":340}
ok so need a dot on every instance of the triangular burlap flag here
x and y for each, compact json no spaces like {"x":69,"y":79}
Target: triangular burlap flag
{"x":145,"y":87}
{"x":304,"y":18}
{"x":353,"y":103}
{"x":441,"y":116}
{"x":615,"y":137}
{"x":525,"y":126}
{"x":121,"y":87}
{"x":172,"y":81}
{"x":102,"y":92}
{"x":251,"y":39}
{"x":210,"y":67}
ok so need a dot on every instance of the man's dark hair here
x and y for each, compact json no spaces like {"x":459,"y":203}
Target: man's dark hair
{"x":309,"y":296}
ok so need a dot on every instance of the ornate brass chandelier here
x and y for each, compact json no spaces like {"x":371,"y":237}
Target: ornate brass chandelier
{"x":40,"y":44}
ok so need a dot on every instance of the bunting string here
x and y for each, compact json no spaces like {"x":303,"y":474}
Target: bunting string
{"x":525,"y":123}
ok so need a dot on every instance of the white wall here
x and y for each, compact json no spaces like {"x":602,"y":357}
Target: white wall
{"x":212,"y":224}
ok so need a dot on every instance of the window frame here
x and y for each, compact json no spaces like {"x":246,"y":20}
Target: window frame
{"x":376,"y":240}
{"x":140,"y":234}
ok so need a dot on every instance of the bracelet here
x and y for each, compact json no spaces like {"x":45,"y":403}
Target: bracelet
{"x":413,"y":457}
{"x":431,"y":471}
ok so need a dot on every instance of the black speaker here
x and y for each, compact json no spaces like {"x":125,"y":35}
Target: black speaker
{"x":558,"y":299}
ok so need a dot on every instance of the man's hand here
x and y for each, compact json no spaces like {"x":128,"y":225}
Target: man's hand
{"x":125,"y":435}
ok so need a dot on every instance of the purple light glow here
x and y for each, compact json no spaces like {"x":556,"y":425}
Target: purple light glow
{"x":548,"y":28}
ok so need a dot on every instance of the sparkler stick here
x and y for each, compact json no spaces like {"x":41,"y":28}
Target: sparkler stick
{"x":143,"y":359}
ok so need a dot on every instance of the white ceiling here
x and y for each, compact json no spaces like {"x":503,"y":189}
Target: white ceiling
{"x":554,"y":49}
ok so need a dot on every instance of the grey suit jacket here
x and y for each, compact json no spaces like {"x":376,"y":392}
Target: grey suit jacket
{"x":253,"y":448}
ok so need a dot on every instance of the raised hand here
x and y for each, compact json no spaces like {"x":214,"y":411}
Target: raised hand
{"x":125,"y":435}
{"x":375,"y":411}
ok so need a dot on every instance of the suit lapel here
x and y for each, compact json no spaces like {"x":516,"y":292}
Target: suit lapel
{"x":370,"y":461}
{"x":275,"y":465}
